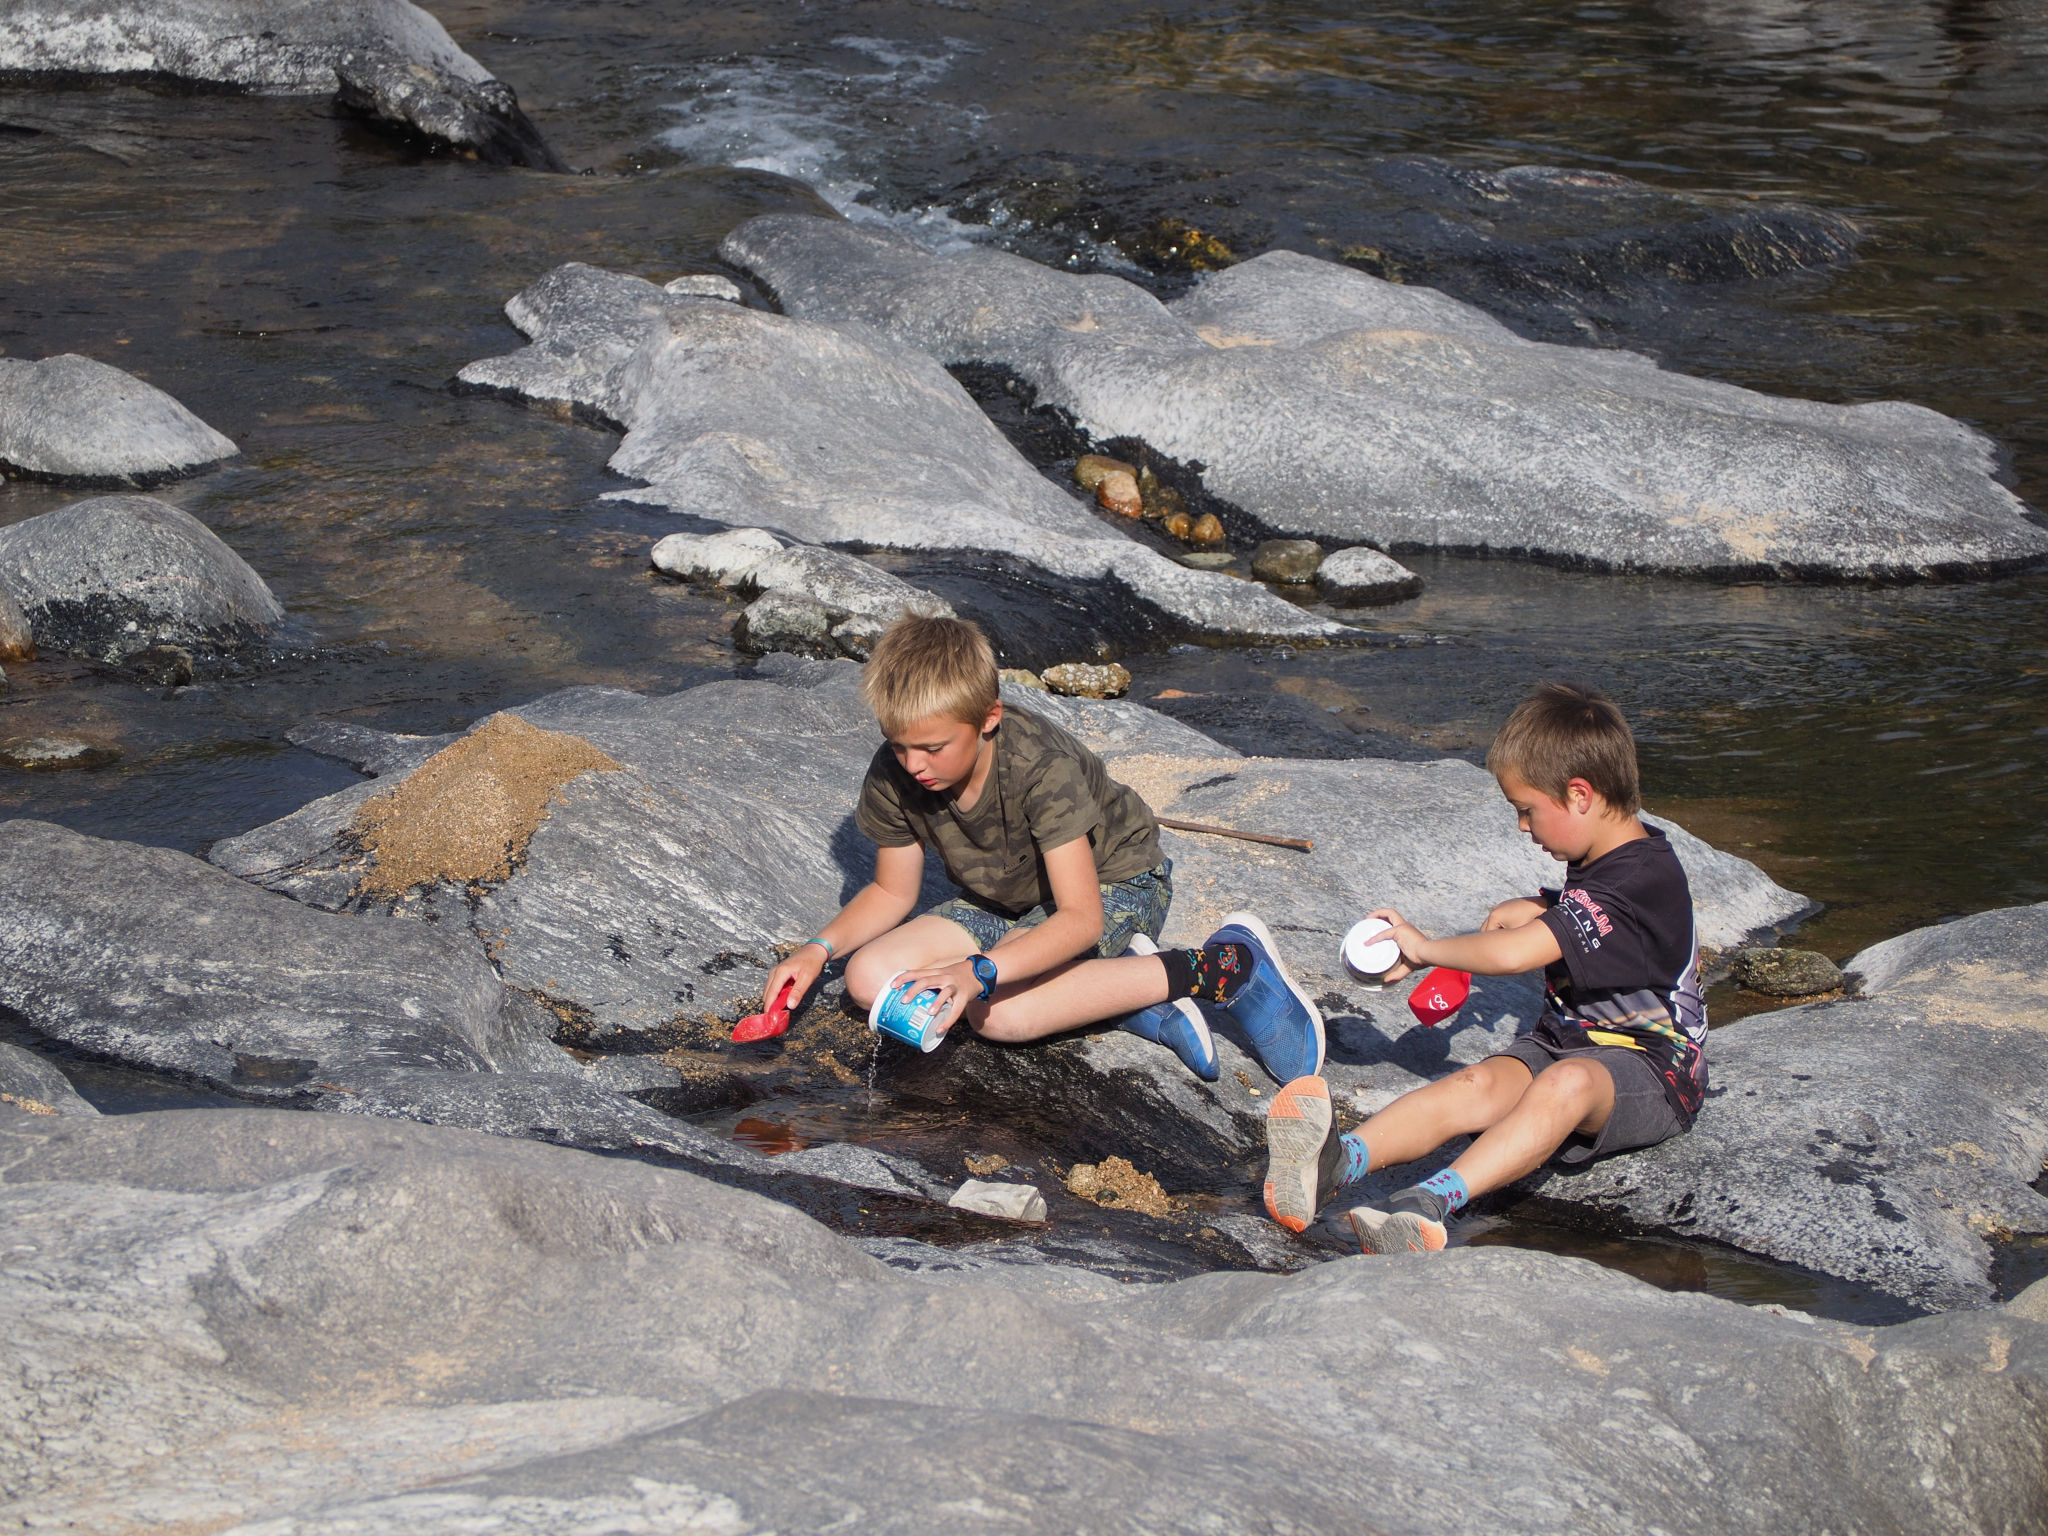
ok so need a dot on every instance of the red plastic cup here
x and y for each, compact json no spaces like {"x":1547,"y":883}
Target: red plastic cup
{"x":766,"y":1026}
{"x":1439,"y":995}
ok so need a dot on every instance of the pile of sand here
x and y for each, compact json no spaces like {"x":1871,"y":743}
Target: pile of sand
{"x":467,"y":812}
{"x":1115,"y":1182}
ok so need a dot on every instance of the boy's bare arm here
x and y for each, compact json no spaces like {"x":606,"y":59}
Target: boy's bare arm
{"x":877,"y":907}
{"x":1528,"y":946}
{"x":1073,"y":929}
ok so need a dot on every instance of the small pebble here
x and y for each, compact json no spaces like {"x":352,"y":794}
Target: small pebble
{"x":1179,"y":524}
{"x":1092,"y":468}
{"x":1207,"y":530}
{"x":1208,"y":559}
{"x":1118,"y":493}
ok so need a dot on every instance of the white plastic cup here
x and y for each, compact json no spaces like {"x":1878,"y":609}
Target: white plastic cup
{"x":1367,"y":955}
{"x":913,"y":1020}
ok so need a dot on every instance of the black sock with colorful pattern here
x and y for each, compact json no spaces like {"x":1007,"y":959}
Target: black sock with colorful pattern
{"x":1213,"y":974}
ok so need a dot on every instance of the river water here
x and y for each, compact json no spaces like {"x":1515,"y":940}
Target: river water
{"x":310,"y":287}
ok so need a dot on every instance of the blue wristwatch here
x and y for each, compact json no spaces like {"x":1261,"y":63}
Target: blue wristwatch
{"x":985,"y":973}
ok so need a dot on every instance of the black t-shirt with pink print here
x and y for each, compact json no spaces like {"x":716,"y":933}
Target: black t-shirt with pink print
{"x":1629,"y":976}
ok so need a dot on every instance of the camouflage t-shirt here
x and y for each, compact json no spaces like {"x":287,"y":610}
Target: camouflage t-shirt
{"x":1044,"y":790}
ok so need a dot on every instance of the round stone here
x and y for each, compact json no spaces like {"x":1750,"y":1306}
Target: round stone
{"x":1288,"y":560}
{"x":1091,"y":469}
{"x":1359,"y":577}
{"x":1088,"y":680}
{"x":1208,"y":530}
{"x":1785,"y":972}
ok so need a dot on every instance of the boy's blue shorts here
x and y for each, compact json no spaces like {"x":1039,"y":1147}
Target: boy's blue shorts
{"x":1136,"y":905}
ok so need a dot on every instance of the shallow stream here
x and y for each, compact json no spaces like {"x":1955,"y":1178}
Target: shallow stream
{"x":309,"y":288}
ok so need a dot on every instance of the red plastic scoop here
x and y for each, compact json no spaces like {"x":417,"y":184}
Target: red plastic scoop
{"x":1437,"y":996}
{"x":765,"y":1026}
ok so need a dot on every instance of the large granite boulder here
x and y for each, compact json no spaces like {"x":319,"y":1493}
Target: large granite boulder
{"x":387,"y":58}
{"x":1895,"y":1138}
{"x":72,"y":419}
{"x":830,"y":435}
{"x":119,"y":575}
{"x":1331,"y":403}
{"x":651,"y":901}
{"x":304,"y":1325}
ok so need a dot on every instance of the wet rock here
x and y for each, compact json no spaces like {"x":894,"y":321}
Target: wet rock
{"x":30,"y":1084}
{"x":783,"y":621}
{"x":1424,"y":422}
{"x":1087,"y":680}
{"x":1179,"y":525}
{"x":154,"y":958}
{"x":387,"y":58}
{"x":168,"y":666}
{"x":1283,"y":725}
{"x":828,"y":436}
{"x":855,"y":637}
{"x":1785,"y":972}
{"x":71,"y":419}
{"x":845,"y":584}
{"x":1091,"y":469}
{"x":1013,"y":1202}
{"x":56,"y":754}
{"x":117,"y":575}
{"x":1361,"y":577}
{"x":1208,"y":559}
{"x":1889,"y":1139}
{"x":1206,"y":530}
{"x":708,"y":1360}
{"x":17,"y":640}
{"x":1287,"y":560}
{"x":1018,"y":677}
{"x":1119,"y":493}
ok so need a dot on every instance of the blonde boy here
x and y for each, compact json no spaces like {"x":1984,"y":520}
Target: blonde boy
{"x":1064,"y":888}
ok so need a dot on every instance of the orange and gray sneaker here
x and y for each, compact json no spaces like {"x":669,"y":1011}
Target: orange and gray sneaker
{"x":1303,"y":1152}
{"x":1413,"y":1222}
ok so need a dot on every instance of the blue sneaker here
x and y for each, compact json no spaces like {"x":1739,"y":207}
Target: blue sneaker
{"x":1285,"y":1026}
{"x":1177,"y":1025}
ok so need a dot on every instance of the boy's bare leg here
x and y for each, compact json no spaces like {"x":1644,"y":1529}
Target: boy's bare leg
{"x":922,"y":943}
{"x":1570,"y":1095}
{"x":1468,"y":1101}
{"x":1068,"y":996}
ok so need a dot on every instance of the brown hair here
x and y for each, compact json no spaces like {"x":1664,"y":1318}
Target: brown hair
{"x":925,"y":666}
{"x":1563,"y":732}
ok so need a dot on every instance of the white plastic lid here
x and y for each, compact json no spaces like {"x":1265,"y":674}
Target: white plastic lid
{"x":1365,"y":952}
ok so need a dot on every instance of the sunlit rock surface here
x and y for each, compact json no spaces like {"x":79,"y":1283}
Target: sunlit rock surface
{"x":387,"y":58}
{"x":1328,"y":402}
{"x":830,"y":435}
{"x":69,"y":418}
{"x":304,"y":1325}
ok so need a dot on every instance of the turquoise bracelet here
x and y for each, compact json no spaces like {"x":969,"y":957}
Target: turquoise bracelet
{"x":827,"y":943}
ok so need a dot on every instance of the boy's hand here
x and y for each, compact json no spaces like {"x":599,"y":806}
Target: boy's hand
{"x":804,"y":966}
{"x":1409,"y":937}
{"x":956,"y":984}
{"x":1513,"y":913}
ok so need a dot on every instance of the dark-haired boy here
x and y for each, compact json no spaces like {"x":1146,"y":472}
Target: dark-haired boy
{"x":1617,"y":1060}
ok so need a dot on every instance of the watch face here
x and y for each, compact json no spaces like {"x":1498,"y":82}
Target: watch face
{"x":985,"y":973}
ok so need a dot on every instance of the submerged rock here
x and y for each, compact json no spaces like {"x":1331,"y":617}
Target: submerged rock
{"x":1287,"y":560}
{"x":75,"y":420}
{"x":387,"y":58}
{"x":829,"y":436}
{"x":641,"y":1349}
{"x":1330,"y":402}
{"x":56,"y":754}
{"x":1363,"y":576}
{"x":119,"y":575}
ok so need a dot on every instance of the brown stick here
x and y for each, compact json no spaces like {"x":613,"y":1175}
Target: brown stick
{"x":1251,"y":837}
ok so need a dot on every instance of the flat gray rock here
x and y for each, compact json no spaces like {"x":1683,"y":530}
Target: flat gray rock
{"x":1890,"y":1139}
{"x":70,"y":418}
{"x":829,"y":435}
{"x":651,"y":901}
{"x":1330,"y":403}
{"x":30,"y":1084}
{"x":118,"y":575}
{"x":309,"y":1325}
{"x":1362,"y":575}
{"x":386,"y":57}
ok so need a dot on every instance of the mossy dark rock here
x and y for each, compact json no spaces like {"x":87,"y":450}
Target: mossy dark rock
{"x":1785,"y":972}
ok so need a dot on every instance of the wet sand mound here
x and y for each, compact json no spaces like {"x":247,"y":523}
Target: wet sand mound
{"x":468,"y":812}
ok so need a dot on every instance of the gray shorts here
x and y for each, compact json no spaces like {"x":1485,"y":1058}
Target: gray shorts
{"x":1136,"y":905}
{"x":1642,"y":1116}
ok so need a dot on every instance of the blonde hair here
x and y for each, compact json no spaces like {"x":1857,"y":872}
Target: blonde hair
{"x":925,"y":666}
{"x":1563,"y":732}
